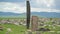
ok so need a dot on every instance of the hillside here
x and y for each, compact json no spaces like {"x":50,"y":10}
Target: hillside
{"x":40,"y":14}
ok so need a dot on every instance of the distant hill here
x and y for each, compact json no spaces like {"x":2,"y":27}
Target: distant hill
{"x":40,"y":14}
{"x":10,"y":14}
{"x":47,"y":14}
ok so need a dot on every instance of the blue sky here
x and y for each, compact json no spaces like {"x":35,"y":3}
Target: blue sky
{"x":19,"y":6}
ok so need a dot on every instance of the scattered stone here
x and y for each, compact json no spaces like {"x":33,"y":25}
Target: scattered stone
{"x":43,"y":29}
{"x":38,"y":32}
{"x":29,"y":32}
{"x":49,"y":25}
{"x":9,"y":29}
{"x":1,"y":28}
{"x":16,"y":24}
{"x":41,"y":24}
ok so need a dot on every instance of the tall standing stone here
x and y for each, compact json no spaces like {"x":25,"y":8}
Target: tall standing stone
{"x":28,"y":14}
{"x":34,"y":23}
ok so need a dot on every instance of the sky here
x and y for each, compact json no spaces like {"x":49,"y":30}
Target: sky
{"x":19,"y":6}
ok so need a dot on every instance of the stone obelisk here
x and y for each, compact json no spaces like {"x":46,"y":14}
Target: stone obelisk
{"x":34,"y":23}
{"x":28,"y":13}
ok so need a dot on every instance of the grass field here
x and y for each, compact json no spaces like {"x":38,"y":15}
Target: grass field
{"x":20,"y":29}
{"x":14,"y":29}
{"x":53,"y":30}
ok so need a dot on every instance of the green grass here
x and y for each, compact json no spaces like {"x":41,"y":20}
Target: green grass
{"x":56,"y":29}
{"x":21,"y":29}
{"x":15,"y":29}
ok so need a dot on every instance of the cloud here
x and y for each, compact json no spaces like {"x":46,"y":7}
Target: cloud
{"x":21,"y":7}
{"x":11,"y":0}
{"x":44,"y":10}
{"x":45,"y":3}
{"x":12,"y":7}
{"x":49,"y":3}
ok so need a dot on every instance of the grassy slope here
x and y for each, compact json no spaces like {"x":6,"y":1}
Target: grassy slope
{"x":15,"y":29}
{"x":21,"y":29}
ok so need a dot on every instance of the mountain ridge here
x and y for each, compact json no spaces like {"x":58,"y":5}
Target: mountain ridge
{"x":43,"y":14}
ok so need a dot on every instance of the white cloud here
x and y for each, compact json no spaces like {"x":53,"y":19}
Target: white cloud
{"x":20,"y":8}
{"x":46,"y":3}
{"x":44,"y":10}
{"x":12,"y":7}
{"x":49,"y":2}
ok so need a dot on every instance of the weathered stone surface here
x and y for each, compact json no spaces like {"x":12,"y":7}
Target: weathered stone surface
{"x":34,"y":23}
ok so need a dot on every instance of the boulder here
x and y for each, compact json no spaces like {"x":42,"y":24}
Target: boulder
{"x":1,"y":28}
{"x":43,"y":29}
